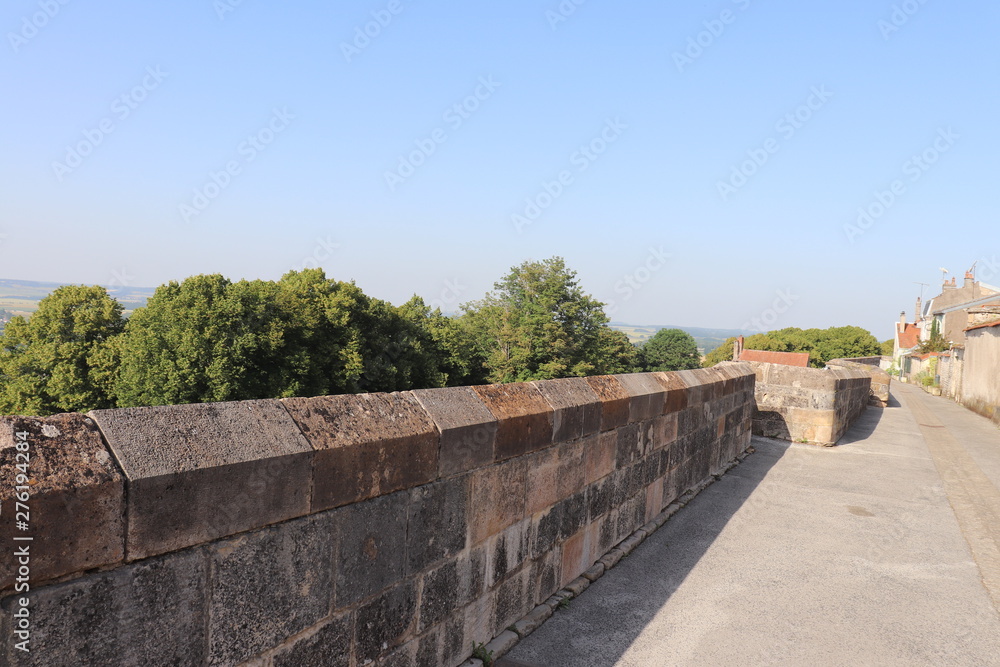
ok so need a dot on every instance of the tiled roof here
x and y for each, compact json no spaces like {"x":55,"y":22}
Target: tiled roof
{"x":784,"y":358}
{"x":984,"y":325}
{"x":909,"y":336}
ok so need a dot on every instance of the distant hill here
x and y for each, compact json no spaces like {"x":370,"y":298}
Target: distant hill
{"x":21,"y":297}
{"x":707,"y":339}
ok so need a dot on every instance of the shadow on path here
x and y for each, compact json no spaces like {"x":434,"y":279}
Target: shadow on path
{"x":601,"y":625}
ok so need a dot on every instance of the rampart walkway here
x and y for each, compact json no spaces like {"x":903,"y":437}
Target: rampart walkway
{"x":882,"y":551}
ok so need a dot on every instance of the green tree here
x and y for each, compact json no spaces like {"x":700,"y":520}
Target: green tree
{"x":888,"y":347}
{"x":59,"y":360}
{"x":822,"y":345}
{"x":935,"y":342}
{"x":537,"y":323}
{"x":669,"y":350}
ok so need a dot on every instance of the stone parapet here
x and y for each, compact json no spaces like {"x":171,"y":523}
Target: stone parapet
{"x":809,"y":405}
{"x":384,"y":529}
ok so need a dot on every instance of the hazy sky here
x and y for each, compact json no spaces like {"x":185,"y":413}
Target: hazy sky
{"x":697,"y":163}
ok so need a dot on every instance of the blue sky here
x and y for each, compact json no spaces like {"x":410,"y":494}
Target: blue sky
{"x":699,"y":163}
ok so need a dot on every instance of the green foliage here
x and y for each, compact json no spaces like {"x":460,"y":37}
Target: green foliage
{"x":60,"y":360}
{"x":669,"y":350}
{"x":821,"y":344}
{"x":888,"y":347}
{"x":538,"y":324}
{"x":480,"y":652}
{"x":936,"y":342}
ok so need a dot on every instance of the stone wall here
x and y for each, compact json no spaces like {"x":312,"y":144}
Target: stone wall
{"x":384,"y":529}
{"x":980,"y":388}
{"x":813,"y":405}
{"x":881,"y":380}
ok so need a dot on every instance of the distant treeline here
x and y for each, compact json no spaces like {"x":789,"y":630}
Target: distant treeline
{"x":821,"y":344}
{"x":210,"y":339}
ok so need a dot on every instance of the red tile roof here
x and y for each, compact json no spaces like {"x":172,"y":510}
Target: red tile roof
{"x":909,"y":336}
{"x":783,"y":358}
{"x":984,"y":325}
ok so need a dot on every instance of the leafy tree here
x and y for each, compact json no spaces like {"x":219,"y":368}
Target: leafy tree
{"x":821,"y":344}
{"x":888,"y":347}
{"x":670,"y":350}
{"x":60,"y":359}
{"x":537,"y":323}
{"x":936,"y":341}
{"x":208,"y":339}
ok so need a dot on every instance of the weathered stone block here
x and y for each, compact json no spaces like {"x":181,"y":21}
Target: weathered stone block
{"x":525,"y":417}
{"x":437,"y":521}
{"x":576,"y":409}
{"x":149,"y":613}
{"x":468,"y":428}
{"x":676,"y":389}
{"x":372,"y":547}
{"x":385,"y":622}
{"x":513,"y":599}
{"x":366,"y":445}
{"x":73,"y":492}
{"x":647,"y":396}
{"x":204,"y":471}
{"x":327,"y":646}
{"x":615,"y":401}
{"x":599,"y":455}
{"x":507,"y":551}
{"x":269,"y":585}
{"x":497,"y":499}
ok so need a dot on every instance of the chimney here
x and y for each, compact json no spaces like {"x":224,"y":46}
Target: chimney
{"x":970,"y":278}
{"x":902,"y":320}
{"x":738,"y":348}
{"x":916,"y":316}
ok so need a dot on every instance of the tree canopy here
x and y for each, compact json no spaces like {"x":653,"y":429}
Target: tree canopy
{"x":58,"y":360}
{"x":669,"y":350}
{"x":821,"y":344}
{"x":537,"y":323}
{"x":208,"y":338}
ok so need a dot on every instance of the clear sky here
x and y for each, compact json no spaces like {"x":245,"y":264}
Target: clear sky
{"x":697,"y":163}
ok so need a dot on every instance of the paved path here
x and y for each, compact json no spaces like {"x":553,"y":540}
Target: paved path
{"x":884,"y":550}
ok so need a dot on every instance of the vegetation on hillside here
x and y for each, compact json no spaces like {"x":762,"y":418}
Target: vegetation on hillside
{"x":210,"y":339}
{"x":821,"y":344}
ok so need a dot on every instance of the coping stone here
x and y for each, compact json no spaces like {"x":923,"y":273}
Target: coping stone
{"x":76,"y":497}
{"x":366,"y":445}
{"x":203,"y":471}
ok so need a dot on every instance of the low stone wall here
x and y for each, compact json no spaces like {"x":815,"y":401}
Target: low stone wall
{"x":980,"y":383}
{"x":813,"y":405}
{"x":881,"y":380}
{"x":386,"y":529}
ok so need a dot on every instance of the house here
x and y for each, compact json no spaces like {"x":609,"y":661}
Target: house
{"x":800,"y":359}
{"x":956,"y":308}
